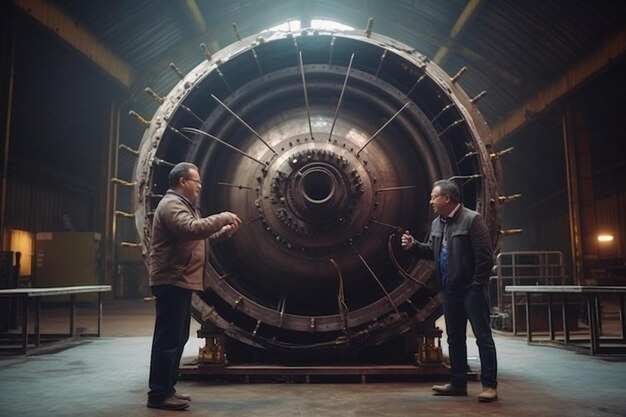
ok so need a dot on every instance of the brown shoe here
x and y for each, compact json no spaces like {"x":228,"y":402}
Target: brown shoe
{"x":170,"y":403}
{"x":181,"y":396}
{"x":449,"y":389}
{"x":488,"y":395}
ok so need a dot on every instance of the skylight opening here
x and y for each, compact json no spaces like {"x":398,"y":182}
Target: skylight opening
{"x":329,"y":25}
{"x":295,"y":25}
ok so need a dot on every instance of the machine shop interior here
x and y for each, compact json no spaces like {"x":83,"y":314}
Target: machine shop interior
{"x":323,"y":125}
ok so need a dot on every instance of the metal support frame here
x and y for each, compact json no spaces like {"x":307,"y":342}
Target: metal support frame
{"x":79,"y":38}
{"x":591,"y":296}
{"x":31,"y":297}
{"x":570,"y":80}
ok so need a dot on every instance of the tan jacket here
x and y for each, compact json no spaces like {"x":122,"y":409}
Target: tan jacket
{"x":179,"y":250}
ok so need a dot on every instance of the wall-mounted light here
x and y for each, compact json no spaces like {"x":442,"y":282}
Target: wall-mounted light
{"x":605,"y":237}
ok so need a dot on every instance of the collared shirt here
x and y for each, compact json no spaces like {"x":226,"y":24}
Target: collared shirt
{"x":180,"y":195}
{"x":443,"y":253}
{"x":453,"y":212}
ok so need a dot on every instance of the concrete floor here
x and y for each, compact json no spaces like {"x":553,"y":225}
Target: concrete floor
{"x":108,"y":377}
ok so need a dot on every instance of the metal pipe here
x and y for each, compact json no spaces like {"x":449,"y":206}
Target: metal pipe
{"x":124,"y":214}
{"x":207,"y":54}
{"x":236,"y":30}
{"x":369,"y":27}
{"x":572,"y":199}
{"x":123,"y":183}
{"x":154,"y":95}
{"x":458,"y":75}
{"x":144,"y":122}
{"x":7,"y":134}
{"x":128,"y":148}
{"x":111,"y":198}
{"x":500,"y":154}
{"x":177,"y":70}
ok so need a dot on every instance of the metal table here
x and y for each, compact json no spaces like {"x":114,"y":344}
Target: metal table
{"x":591,"y":296}
{"x":33,"y":296}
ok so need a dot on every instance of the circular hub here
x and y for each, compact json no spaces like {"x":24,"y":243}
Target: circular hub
{"x":320,"y":196}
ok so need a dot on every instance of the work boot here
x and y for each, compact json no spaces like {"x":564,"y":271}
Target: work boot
{"x":170,"y":403}
{"x":449,"y":389}
{"x":488,"y":395}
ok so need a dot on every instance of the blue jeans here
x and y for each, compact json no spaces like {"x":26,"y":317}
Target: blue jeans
{"x":459,"y":306}
{"x":171,"y":332}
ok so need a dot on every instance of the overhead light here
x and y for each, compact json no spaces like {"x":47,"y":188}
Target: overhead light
{"x":605,"y":238}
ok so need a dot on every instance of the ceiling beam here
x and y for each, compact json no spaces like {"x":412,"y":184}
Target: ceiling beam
{"x":464,"y":52}
{"x":586,"y":69}
{"x":196,"y":15}
{"x":407,"y":25}
{"x":79,"y":38}
{"x":460,"y":24}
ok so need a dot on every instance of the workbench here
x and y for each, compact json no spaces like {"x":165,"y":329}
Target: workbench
{"x":31,"y":297}
{"x":595,"y":344}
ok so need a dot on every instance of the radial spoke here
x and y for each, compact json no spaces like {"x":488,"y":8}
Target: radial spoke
{"x":215,"y":138}
{"x":256,"y":59}
{"x":380,"y":64}
{"x":402,"y":187}
{"x":343,"y":89}
{"x":383,"y":126}
{"x":244,"y":123}
{"x":241,"y":187}
{"x":188,"y":110}
{"x":281,"y":309}
{"x":306,"y":95}
{"x":391,"y":226}
{"x":445,"y":109}
{"x":224,"y":79}
{"x":419,"y":80}
{"x":341,"y":301}
{"x":380,"y":284}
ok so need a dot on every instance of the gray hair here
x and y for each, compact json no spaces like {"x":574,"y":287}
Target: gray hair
{"x":449,"y":188}
{"x":181,"y":170}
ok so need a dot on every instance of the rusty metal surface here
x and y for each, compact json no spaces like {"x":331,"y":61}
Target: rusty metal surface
{"x":325,"y":144}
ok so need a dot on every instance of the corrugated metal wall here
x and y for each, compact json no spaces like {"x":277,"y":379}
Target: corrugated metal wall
{"x":39,"y":207}
{"x":58,"y":137}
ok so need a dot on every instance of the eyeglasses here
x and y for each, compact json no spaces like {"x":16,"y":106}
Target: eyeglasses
{"x":434,"y":197}
{"x":194,"y":180}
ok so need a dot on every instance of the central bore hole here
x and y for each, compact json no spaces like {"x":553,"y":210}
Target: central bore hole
{"x":317,"y":186}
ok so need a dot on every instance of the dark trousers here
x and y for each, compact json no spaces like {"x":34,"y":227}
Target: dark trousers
{"x":171,"y":332}
{"x":459,"y":307}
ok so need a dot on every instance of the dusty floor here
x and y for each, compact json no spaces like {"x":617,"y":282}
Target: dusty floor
{"x":108,"y":377}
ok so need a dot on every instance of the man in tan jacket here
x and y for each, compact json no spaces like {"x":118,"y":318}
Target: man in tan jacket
{"x":176,"y":267}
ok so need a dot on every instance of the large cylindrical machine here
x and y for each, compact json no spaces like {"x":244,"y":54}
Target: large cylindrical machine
{"x":326,"y":144}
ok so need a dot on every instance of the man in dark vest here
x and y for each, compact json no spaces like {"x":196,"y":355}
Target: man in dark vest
{"x":460,"y":245}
